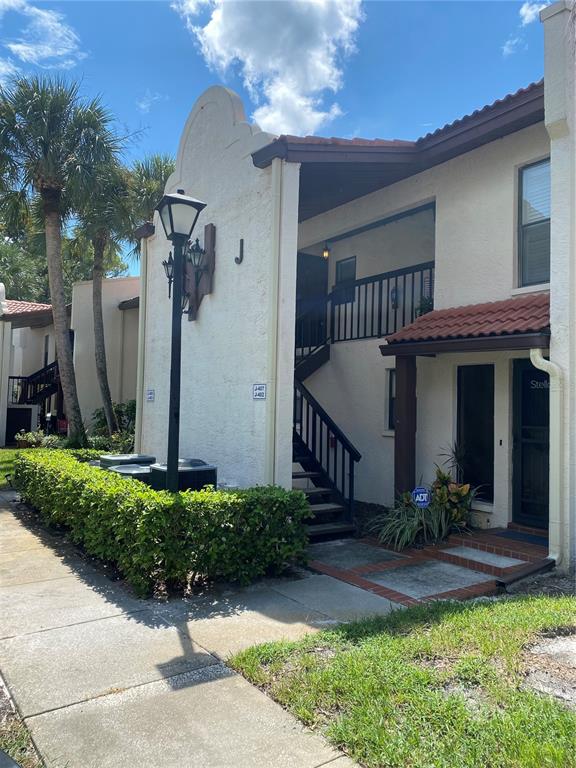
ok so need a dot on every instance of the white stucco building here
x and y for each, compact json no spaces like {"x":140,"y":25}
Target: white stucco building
{"x":395,"y":298}
{"x":29,"y":383}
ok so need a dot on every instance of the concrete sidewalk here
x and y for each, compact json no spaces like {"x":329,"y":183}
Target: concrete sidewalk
{"x":105,"y":680}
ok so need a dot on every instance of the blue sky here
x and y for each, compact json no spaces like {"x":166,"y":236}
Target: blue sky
{"x":416,"y":65}
{"x":332,"y":67}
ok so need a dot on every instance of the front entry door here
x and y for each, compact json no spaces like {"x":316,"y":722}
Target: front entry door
{"x":531,"y":445}
{"x":476,"y":428}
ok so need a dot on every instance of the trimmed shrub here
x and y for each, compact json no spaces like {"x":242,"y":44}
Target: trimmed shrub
{"x":156,"y":536}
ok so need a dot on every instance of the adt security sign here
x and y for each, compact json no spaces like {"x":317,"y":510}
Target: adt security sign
{"x":421,"y":497}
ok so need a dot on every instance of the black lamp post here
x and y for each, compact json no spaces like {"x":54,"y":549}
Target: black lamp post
{"x":178,"y":214}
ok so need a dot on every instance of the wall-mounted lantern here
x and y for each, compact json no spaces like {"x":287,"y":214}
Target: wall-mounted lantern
{"x":326,"y":251}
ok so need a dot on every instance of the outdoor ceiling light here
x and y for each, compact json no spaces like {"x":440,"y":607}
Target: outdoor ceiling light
{"x":178,"y":214}
{"x":326,"y":252}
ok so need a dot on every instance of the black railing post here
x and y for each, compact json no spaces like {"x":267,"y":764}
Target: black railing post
{"x":350,"y":487}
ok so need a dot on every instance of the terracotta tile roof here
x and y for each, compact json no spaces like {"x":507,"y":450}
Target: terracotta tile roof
{"x":523,"y":314}
{"x":510,"y":98}
{"x":12,"y":307}
{"x":533,"y":90}
{"x":336,"y":141}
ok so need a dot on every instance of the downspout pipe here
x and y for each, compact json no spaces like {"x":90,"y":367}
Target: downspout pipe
{"x":555,"y":498}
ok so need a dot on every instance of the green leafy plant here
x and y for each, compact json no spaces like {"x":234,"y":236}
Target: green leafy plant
{"x":29,"y":439}
{"x":425,"y":305}
{"x":454,"y":498}
{"x":125,"y":416}
{"x":406,"y":524}
{"x":99,"y":443}
{"x":160,"y":537}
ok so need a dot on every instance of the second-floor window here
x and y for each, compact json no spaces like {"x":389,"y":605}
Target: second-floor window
{"x":534,"y":224}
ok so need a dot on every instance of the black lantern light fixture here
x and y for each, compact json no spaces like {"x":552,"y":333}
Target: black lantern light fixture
{"x":195,"y":255}
{"x":168,"y":265}
{"x":326,"y":251}
{"x":178,"y":214}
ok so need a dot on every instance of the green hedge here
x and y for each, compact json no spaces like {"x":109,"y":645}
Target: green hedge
{"x":156,"y":536}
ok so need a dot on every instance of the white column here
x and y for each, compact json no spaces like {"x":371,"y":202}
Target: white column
{"x":140,"y":365}
{"x":559,"y":96}
{"x":5,"y":355}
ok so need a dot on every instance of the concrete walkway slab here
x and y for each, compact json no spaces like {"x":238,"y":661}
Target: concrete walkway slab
{"x":336,"y":599}
{"x":349,"y":553}
{"x":237,"y":621}
{"x":212,"y":718}
{"x":62,"y":666}
{"x":430,"y":577}
{"x":36,"y":606}
{"x":38,"y":564}
{"x":18,"y":539}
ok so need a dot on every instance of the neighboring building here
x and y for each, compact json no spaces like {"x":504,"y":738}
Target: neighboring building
{"x":29,"y":384}
{"x":395,"y":298}
{"x":121,"y":338}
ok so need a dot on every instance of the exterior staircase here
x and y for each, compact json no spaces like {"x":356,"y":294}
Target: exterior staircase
{"x":34,"y":389}
{"x":323,"y":458}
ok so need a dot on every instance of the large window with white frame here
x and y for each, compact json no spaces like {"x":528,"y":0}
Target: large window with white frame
{"x":534,"y":224}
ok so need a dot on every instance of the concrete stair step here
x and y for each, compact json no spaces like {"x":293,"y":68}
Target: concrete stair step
{"x":312,"y":492}
{"x":304,"y":475}
{"x":327,"y":531}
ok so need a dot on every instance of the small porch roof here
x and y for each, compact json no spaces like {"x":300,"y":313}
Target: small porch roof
{"x":26,"y":314}
{"x":519,"y":323}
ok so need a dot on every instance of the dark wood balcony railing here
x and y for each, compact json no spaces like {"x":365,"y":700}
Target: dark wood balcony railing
{"x":371,"y":307}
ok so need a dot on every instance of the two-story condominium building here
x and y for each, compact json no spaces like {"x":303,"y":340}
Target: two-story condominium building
{"x":377,"y":305}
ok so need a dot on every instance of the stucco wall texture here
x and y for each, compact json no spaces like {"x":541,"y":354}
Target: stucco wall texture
{"x":238,"y":339}
{"x":121,"y":335}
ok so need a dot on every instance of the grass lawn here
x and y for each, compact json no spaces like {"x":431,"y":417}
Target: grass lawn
{"x":14,"y":737}
{"x":7,"y":456}
{"x":435,"y":686}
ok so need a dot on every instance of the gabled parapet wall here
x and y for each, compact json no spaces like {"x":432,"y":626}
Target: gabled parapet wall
{"x":244,"y":333}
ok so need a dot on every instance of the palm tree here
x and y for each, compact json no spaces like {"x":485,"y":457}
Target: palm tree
{"x":103,"y":219}
{"x":148,"y":178}
{"x":52,"y":143}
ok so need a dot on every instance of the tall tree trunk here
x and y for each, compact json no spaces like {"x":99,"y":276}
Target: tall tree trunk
{"x":99,"y":244}
{"x":52,"y":222}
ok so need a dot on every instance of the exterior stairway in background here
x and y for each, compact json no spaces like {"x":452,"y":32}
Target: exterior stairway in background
{"x":34,"y":389}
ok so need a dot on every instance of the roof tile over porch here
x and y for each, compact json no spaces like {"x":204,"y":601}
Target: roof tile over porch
{"x":512,"y":324}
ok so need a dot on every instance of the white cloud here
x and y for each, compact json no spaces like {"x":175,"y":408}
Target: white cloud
{"x":147,"y":101}
{"x":511,"y":45}
{"x":7,"y":71}
{"x":289,"y":53}
{"x":529,"y":12}
{"x":46,"y":40}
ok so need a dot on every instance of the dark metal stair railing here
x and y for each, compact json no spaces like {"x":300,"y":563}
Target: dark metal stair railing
{"x":24,"y":390}
{"x":312,"y":330}
{"x":325,"y":444}
{"x":379,"y":305}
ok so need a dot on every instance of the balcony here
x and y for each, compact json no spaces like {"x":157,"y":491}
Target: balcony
{"x":371,"y":307}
